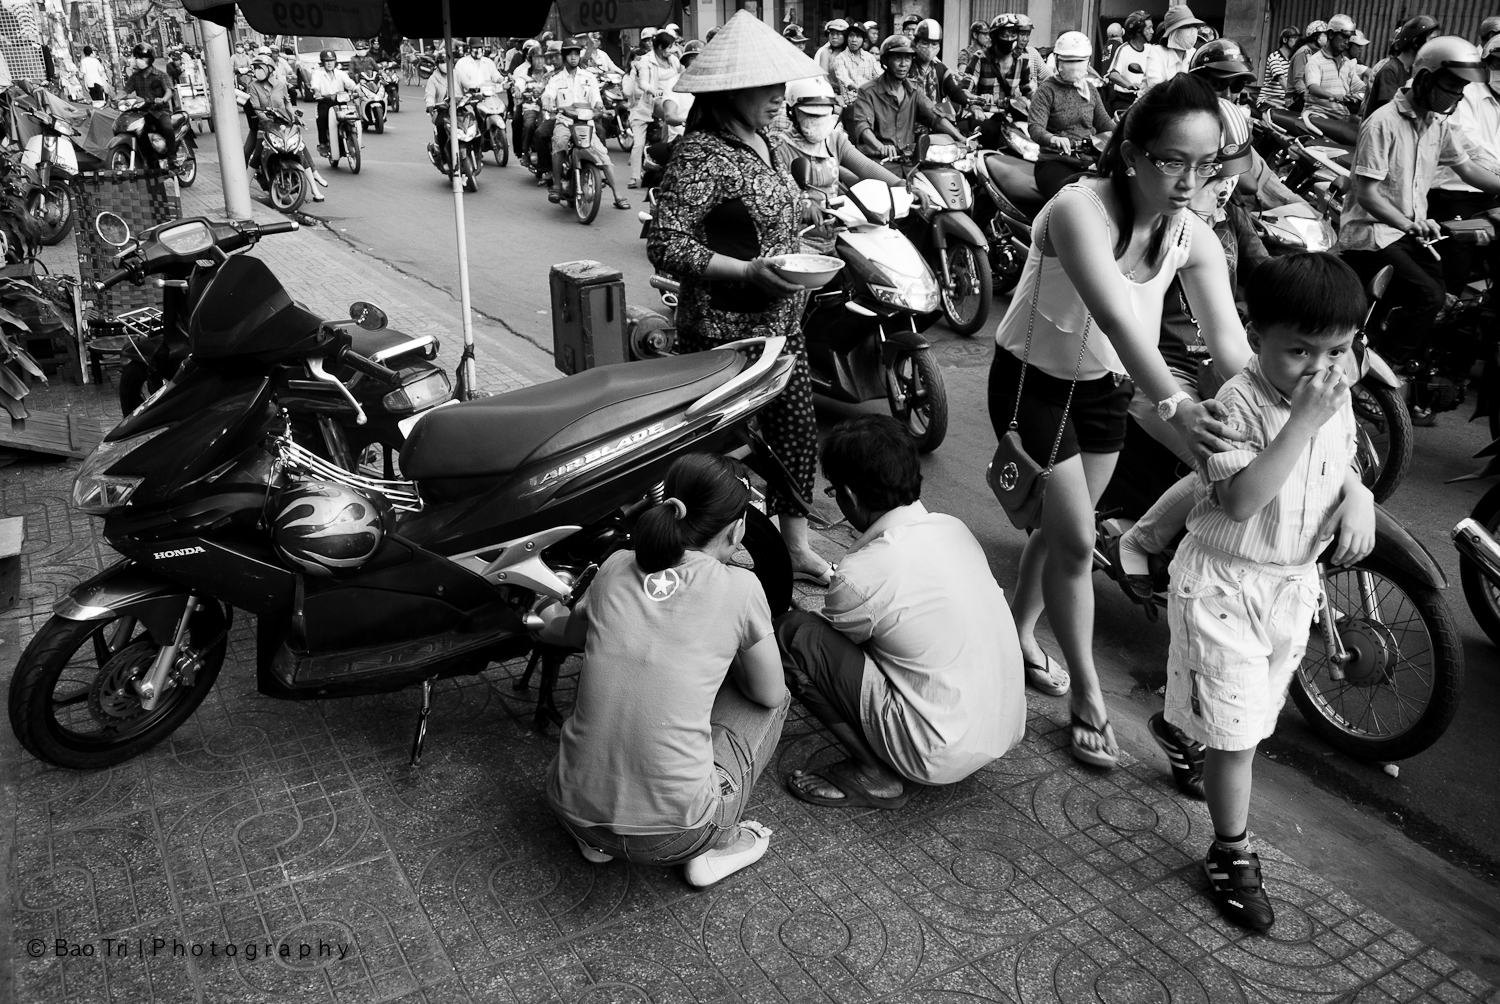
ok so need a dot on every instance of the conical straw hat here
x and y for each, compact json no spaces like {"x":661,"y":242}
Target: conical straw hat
{"x":746,"y":53}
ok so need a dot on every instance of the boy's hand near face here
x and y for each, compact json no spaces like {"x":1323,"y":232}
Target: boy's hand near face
{"x":1319,"y":396}
{"x":1353,"y":521}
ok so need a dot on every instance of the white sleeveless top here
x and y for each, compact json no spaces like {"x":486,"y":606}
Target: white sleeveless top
{"x":1060,"y":311}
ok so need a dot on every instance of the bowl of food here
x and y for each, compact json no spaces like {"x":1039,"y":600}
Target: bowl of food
{"x":810,"y":270}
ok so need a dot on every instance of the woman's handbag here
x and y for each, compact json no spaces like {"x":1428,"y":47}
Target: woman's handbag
{"x":1018,"y":481}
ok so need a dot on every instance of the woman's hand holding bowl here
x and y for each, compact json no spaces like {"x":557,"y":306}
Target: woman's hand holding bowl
{"x":762,"y":274}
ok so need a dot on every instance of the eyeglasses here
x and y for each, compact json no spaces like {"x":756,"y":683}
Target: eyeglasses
{"x":1175,"y":168}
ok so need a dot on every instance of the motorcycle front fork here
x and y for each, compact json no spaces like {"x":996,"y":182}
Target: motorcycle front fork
{"x":1327,"y":618}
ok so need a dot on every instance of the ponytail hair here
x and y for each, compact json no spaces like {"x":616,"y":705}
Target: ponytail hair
{"x":1153,"y":112}
{"x":704,"y":493}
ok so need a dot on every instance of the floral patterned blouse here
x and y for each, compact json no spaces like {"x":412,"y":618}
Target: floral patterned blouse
{"x":719,"y":196}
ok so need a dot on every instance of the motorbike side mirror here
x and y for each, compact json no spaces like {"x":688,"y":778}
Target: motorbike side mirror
{"x":1135,"y":68}
{"x":112,"y":229}
{"x":367,"y":315}
{"x":801,"y":171}
{"x":1381,"y":283}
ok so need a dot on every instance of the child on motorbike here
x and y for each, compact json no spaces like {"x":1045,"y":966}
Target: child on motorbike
{"x":659,"y":759}
{"x":1245,"y":582}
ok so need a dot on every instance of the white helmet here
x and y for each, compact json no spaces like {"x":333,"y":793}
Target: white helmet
{"x":928,"y":30}
{"x":810,"y":91}
{"x":1073,"y":45}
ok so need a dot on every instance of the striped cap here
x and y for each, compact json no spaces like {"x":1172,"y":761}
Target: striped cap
{"x":1234,"y":147}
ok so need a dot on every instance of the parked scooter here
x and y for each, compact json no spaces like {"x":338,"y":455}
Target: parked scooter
{"x":278,"y":165}
{"x":372,"y":101}
{"x":134,"y":132}
{"x":470,"y":146}
{"x":51,"y":155}
{"x":494,"y":106}
{"x":360,"y":583}
{"x":947,"y":236}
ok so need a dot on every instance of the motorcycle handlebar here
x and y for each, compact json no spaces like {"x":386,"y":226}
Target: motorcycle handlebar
{"x":369,"y":367}
{"x":117,"y":276}
{"x":280,"y":227}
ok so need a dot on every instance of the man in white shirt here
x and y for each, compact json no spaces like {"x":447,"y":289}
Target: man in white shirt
{"x":467,"y":71}
{"x":568,"y":88}
{"x":653,"y":76}
{"x":327,"y":83}
{"x":92,"y":72}
{"x":1477,"y":117}
{"x":914,"y":664}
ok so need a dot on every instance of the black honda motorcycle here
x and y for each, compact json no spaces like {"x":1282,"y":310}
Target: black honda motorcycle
{"x":498,"y":507}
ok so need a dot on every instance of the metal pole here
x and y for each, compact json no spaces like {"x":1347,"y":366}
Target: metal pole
{"x":466,"y":374}
{"x":117,"y":72}
{"x":219,"y":69}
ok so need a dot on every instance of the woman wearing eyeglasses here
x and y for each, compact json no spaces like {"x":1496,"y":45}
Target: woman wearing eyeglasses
{"x":1088,"y":312}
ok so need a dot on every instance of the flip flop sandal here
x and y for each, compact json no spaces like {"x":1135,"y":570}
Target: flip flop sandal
{"x":856,"y":796}
{"x":622,"y":203}
{"x":1094,"y":758}
{"x":824,"y":581}
{"x":1044,"y":677}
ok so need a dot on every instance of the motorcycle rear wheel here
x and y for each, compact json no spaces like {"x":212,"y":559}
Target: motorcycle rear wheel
{"x":1386,"y":438}
{"x":52,"y":208}
{"x":918,"y":399}
{"x":187,"y":171}
{"x":1402,"y":689}
{"x":967,"y":305}
{"x":71,"y":701}
{"x":288,"y":188}
{"x":588,"y":180}
{"x":1483,"y":595}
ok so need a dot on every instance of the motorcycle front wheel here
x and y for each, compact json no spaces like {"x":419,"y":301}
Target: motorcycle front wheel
{"x":72,"y":702}
{"x":1482,"y":594}
{"x":52,"y":208}
{"x":501,"y":144}
{"x":587,"y":182}
{"x":1401,"y":689}
{"x":351,"y":149}
{"x":918,"y":399}
{"x":119,"y":159}
{"x":469,"y":167}
{"x":379,"y":121}
{"x":966,"y":304}
{"x":187,"y":171}
{"x":1385,"y":437}
{"x":288,"y":188}
{"x":394,"y":101}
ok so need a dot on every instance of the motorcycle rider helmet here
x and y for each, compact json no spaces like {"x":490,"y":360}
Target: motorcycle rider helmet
{"x":690,"y":52}
{"x":811,"y":94}
{"x":979,"y":28}
{"x":1456,"y":55}
{"x":528,"y":45}
{"x":426,"y":66}
{"x":1136,"y":22}
{"x":1005,"y":23}
{"x":1415,"y":33}
{"x":896,"y":45}
{"x":1115,"y":30}
{"x":1073,"y":45}
{"x":792,"y":33}
{"x":143,"y":51}
{"x":263,"y":63}
{"x":928,"y":30}
{"x":574,"y":44}
{"x":1234,"y":146}
{"x":1025,"y":24}
{"x":328,"y":56}
{"x":322,"y":527}
{"x":1222,"y":62}
{"x":1341,"y":23}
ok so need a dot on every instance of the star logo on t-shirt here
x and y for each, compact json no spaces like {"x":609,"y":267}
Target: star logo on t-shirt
{"x":661,"y":585}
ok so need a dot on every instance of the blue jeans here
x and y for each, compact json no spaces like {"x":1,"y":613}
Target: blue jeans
{"x":745,"y":735}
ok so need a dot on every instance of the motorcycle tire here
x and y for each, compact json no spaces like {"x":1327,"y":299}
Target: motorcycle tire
{"x":588,"y":182}
{"x":768,"y":558}
{"x":918,"y":399}
{"x":394,"y":102}
{"x":625,"y":137}
{"x":1483,"y":596}
{"x":288,"y":189}
{"x":380,"y":123}
{"x":119,"y":159}
{"x":352,"y":151}
{"x":1387,"y":708}
{"x":470,"y":170}
{"x":136,"y":385}
{"x":967,"y":307}
{"x":52,"y":208}
{"x":501,"y":145}
{"x":187,"y":171}
{"x":1385,"y":429}
{"x":98,"y":660}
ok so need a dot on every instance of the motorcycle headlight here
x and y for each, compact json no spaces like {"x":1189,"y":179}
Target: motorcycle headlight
{"x":422,"y":392}
{"x":98,"y":493}
{"x":942,"y":153}
{"x":916,"y":297}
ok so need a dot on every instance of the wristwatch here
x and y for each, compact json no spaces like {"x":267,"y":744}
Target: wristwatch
{"x":1168,"y":408}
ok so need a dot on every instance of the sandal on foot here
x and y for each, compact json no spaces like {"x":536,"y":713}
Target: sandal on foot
{"x":825,"y":580}
{"x":857,"y":795}
{"x":1044,"y":676}
{"x":622,"y":203}
{"x":1185,"y":755}
{"x":592,"y":855}
{"x":707,"y":869}
{"x":1139,"y":588}
{"x":1094,"y":758}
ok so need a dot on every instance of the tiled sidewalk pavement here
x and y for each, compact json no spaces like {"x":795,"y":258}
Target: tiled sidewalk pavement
{"x":271,"y":825}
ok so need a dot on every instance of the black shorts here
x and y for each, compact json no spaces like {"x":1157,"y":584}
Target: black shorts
{"x":1096,"y":420}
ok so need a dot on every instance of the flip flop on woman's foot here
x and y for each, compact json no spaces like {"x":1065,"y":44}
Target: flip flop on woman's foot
{"x":1047,"y":676}
{"x":749,"y":846}
{"x":813,"y":578}
{"x":854,"y":787}
{"x":1100,"y":757}
{"x":622,"y":203}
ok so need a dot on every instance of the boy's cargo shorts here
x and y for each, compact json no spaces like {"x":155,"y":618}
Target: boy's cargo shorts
{"x":1239,"y":631}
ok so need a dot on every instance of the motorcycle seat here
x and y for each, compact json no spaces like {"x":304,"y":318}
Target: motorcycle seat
{"x":1291,"y":123}
{"x":1016,"y":179}
{"x":493,"y":436}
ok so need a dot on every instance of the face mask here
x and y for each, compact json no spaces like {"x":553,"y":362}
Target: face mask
{"x":1495,"y":80}
{"x":816,"y":128}
{"x":1070,"y":72}
{"x":1003,"y":46}
{"x":1183,"y":38}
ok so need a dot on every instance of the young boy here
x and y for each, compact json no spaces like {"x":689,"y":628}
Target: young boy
{"x":1245,"y":580}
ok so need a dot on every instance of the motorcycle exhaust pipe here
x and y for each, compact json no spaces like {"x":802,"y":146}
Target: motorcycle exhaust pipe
{"x":1479,"y":546}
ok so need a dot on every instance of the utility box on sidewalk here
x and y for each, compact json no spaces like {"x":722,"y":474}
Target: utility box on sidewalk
{"x":588,"y":316}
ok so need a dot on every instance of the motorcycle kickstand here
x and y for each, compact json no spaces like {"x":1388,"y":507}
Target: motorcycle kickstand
{"x":421,"y":734}
{"x":550,"y":658}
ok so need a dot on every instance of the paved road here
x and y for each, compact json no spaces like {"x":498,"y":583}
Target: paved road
{"x":400,"y":210}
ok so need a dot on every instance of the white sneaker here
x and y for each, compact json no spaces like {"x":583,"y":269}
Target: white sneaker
{"x":713,"y":866}
{"x":319,"y":179}
{"x":591,"y":855}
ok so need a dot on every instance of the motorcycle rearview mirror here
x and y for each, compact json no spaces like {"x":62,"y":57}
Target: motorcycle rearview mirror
{"x":801,"y":171}
{"x":1381,"y":283}
{"x":367,"y":315}
{"x":1135,"y":68}
{"x":112,"y":229}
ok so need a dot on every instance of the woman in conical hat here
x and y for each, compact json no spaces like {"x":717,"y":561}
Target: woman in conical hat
{"x":727,"y":204}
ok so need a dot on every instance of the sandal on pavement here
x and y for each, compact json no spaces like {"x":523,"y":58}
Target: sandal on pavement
{"x":706,"y":869}
{"x":1094,"y":758}
{"x":1044,"y":677}
{"x":1185,"y":755}
{"x":553,"y":197}
{"x":845,"y":777}
{"x":592,"y":855}
{"x":824,"y":581}
{"x":622,"y":203}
